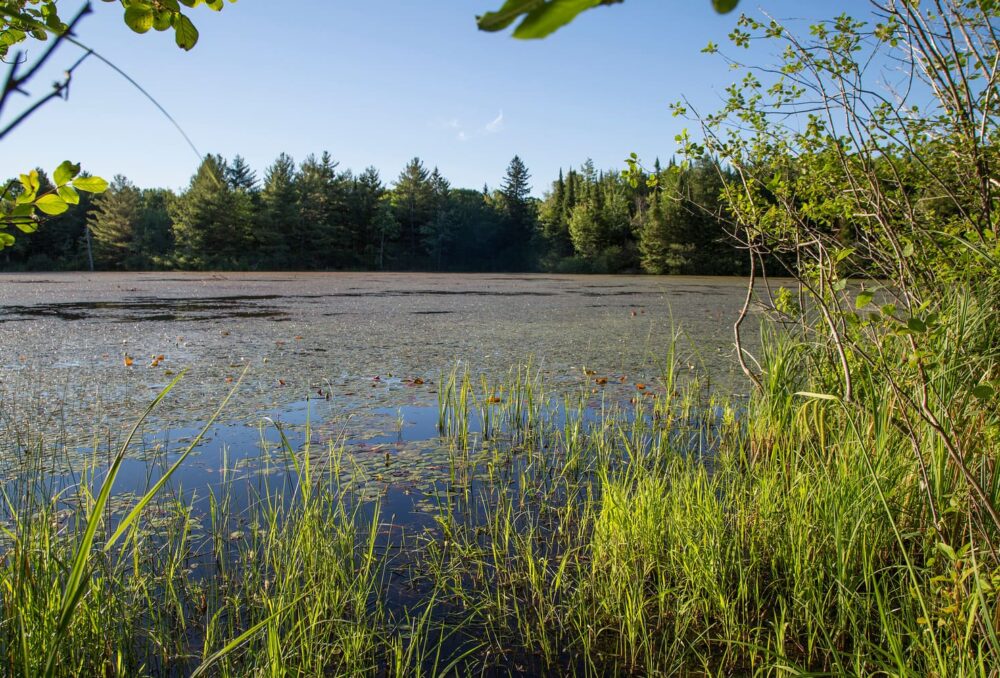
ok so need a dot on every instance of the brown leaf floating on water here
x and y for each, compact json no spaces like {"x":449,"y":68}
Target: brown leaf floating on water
{"x":601,"y":381}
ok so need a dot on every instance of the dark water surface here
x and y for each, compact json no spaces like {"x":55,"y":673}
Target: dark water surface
{"x":362,"y":354}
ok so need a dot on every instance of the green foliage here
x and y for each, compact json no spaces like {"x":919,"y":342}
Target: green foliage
{"x":161,"y":15}
{"x":24,"y":19}
{"x":23,"y":199}
{"x":211,"y":221}
{"x":315,"y":216}
{"x":540,"y":18}
{"x":37,"y":19}
{"x":114,"y":224}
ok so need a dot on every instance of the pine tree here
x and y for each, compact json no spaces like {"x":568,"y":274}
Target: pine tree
{"x":279,"y":215}
{"x":317,"y":238}
{"x":437,"y":234}
{"x":211,"y":222}
{"x":413,"y":200}
{"x":386,"y":227}
{"x":114,"y":224}
{"x":518,"y":212}
{"x":553,"y":222}
{"x":241,"y":177}
{"x":571,"y":192}
{"x":585,"y":229}
{"x":156,"y":239}
{"x":366,"y":194}
{"x":654,"y":237}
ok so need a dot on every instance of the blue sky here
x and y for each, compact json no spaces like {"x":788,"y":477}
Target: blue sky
{"x":380,"y":81}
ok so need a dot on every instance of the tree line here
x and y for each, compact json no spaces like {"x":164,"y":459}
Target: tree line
{"x":314,"y":215}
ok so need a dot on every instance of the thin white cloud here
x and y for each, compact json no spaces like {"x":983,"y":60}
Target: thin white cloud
{"x":496,"y":125}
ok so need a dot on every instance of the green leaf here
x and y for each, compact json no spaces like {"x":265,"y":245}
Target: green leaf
{"x":506,"y":15}
{"x":51,"y":204}
{"x":916,"y":325}
{"x":908,"y":250}
{"x":90,"y":184}
{"x":6,"y":239}
{"x":550,"y":17}
{"x":26,"y":225}
{"x":725,"y":6}
{"x":817,"y":396}
{"x":162,"y":20}
{"x":185,"y":34}
{"x":69,"y":194}
{"x":139,"y":17}
{"x":863,"y":299}
{"x":31,"y":184}
{"x":65,"y":172}
{"x":947,"y":550}
{"x":984,"y":391}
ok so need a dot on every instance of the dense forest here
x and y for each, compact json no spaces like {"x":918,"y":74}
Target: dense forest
{"x":317,"y":216}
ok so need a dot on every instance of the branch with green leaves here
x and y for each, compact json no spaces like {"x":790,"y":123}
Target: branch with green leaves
{"x":540,"y":18}
{"x":161,"y":15}
{"x":22,"y":200}
{"x":38,"y":19}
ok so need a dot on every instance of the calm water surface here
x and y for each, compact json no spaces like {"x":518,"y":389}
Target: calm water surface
{"x":358,"y":355}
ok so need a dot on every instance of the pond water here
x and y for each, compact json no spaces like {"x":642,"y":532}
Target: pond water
{"x":360,"y":356}
{"x":359,"y":361}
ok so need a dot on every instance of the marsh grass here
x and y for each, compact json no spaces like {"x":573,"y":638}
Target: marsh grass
{"x":573,"y":533}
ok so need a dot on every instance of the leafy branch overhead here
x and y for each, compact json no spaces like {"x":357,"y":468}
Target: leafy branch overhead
{"x":543,"y":17}
{"x":162,"y":15}
{"x":21,"y":19}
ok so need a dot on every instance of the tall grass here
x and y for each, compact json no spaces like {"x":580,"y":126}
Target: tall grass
{"x":788,"y":533}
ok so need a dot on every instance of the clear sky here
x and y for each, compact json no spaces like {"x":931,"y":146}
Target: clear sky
{"x":380,"y":81}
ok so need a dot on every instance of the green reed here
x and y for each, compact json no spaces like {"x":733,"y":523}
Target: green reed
{"x":576,"y":533}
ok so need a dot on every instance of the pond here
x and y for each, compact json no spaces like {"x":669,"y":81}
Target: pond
{"x":360,"y":342}
{"x":372,"y":365}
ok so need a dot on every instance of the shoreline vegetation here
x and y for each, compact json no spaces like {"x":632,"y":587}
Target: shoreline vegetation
{"x":679,"y":532}
{"x":315,"y":216}
{"x":841,"y":519}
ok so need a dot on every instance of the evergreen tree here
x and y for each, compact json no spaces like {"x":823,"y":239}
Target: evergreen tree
{"x":114,"y":225}
{"x":366,"y":195}
{"x":571,"y":192}
{"x":585,"y":229}
{"x":279,"y":215}
{"x":437,"y":234}
{"x":553,"y":222}
{"x":241,"y":177}
{"x":413,"y":200}
{"x":156,"y":239}
{"x":518,"y":212}
{"x":316,"y":238}
{"x":386,"y":227}
{"x":654,"y":239}
{"x":211,"y":222}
